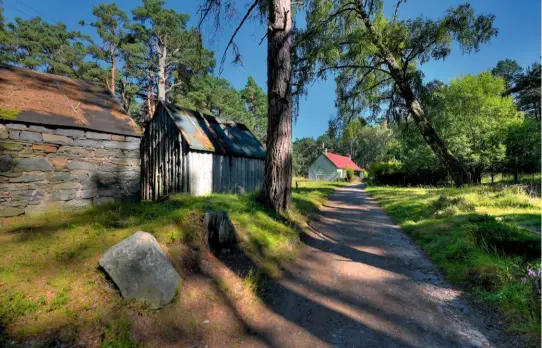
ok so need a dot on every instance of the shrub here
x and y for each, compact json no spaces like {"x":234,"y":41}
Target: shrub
{"x":349,"y":174}
{"x":444,"y":206}
{"x":394,"y":173}
{"x":504,"y":238}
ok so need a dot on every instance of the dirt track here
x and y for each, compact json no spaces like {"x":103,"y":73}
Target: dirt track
{"x":360,"y":281}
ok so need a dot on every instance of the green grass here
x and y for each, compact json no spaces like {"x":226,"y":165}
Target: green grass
{"x":482,"y":237}
{"x":49,"y":275}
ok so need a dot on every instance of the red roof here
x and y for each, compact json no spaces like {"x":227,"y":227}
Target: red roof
{"x":341,"y":162}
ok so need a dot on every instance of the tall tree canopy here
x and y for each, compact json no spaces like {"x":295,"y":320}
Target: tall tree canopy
{"x":376,"y":58}
{"x":110,"y":24}
{"x":174,"y":53}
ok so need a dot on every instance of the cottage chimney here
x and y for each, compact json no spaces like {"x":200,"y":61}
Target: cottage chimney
{"x":324,"y":148}
{"x":349,"y":156}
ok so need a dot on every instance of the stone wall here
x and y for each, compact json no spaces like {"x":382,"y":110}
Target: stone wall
{"x":45,"y":168}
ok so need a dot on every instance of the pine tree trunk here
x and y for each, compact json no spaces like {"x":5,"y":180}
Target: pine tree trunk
{"x":460,"y":174}
{"x":112,"y":51}
{"x":278,"y":161}
{"x":162,"y":60}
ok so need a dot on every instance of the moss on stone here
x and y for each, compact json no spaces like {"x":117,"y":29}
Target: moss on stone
{"x":9,"y":114}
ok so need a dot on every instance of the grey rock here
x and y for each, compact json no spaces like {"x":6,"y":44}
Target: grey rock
{"x":74,"y":151}
{"x":131,"y":154}
{"x":33,"y":163}
{"x":6,"y":163}
{"x":26,"y":177}
{"x":10,"y":146}
{"x":110,"y":191}
{"x":77,"y":203}
{"x":68,"y":185}
{"x":14,"y":135}
{"x":109,"y":153}
{"x":129,"y":175}
{"x":4,"y":134}
{"x":81,"y":165}
{"x":64,"y":195}
{"x":101,"y":136}
{"x":88,"y":143}
{"x":57,"y":139}
{"x":40,"y":129}
{"x":62,"y":176}
{"x":121,"y":145}
{"x":103,"y":200}
{"x":31,"y":136}
{"x":16,"y":126}
{"x":133,"y":139}
{"x":70,"y":132}
{"x":89,"y":193}
{"x":219,"y":230}
{"x":141,"y":270}
{"x":10,"y":211}
{"x":27,"y":195}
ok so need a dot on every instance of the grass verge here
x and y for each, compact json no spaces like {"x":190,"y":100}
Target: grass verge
{"x":50,"y":283}
{"x":482,"y":237}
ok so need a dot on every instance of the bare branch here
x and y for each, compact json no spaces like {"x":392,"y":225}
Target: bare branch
{"x":247,"y":14}
{"x":397,"y":9}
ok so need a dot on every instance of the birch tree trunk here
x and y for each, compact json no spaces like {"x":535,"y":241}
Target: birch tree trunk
{"x":278,"y":161}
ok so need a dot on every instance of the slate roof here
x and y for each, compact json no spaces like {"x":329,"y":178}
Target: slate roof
{"x":342,"y":162}
{"x":48,"y":99}
{"x":212,"y":134}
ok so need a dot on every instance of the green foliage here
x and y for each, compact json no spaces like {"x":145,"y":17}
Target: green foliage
{"x":504,"y":238}
{"x":12,"y":306}
{"x":36,"y":44}
{"x":9,"y":114}
{"x":479,"y":237}
{"x":119,"y":334}
{"x":473,"y":118}
{"x":523,"y":147}
{"x":349,"y":174}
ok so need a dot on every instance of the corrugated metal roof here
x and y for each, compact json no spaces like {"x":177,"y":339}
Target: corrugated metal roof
{"x":212,"y":134}
{"x":47,"y":99}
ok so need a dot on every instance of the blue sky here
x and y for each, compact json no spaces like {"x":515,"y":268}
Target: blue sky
{"x":519,"y":39}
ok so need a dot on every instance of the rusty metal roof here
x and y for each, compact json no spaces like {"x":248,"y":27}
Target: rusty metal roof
{"x":47,"y":99}
{"x":207,"y":133}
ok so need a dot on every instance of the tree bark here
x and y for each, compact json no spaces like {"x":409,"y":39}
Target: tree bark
{"x":162,"y":60}
{"x":112,"y":52}
{"x":278,"y":161}
{"x":460,"y":174}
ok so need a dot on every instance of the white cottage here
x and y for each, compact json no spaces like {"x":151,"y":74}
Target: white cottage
{"x":331,"y":167}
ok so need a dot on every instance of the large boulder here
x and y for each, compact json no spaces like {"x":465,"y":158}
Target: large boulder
{"x":219,"y":230}
{"x":141,"y":270}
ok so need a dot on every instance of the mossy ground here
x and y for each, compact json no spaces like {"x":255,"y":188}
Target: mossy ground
{"x":483,"y":237}
{"x":51,"y":287}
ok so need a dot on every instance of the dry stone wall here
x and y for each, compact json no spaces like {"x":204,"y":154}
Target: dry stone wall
{"x":45,"y":168}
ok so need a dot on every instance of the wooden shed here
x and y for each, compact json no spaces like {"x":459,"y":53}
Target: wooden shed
{"x":187,"y":151}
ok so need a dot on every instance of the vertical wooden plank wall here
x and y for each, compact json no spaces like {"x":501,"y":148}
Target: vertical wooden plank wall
{"x":168,"y":165}
{"x":162,"y":158}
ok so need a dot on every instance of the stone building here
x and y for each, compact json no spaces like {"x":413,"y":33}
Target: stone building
{"x":64,"y":144}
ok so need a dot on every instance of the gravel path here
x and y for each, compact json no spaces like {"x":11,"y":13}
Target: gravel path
{"x":360,"y":281}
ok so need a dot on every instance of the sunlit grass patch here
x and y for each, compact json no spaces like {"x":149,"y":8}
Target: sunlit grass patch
{"x":481,"y":236}
{"x":49,"y":276}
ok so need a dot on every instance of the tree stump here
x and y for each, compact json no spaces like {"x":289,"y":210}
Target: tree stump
{"x":218,"y":230}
